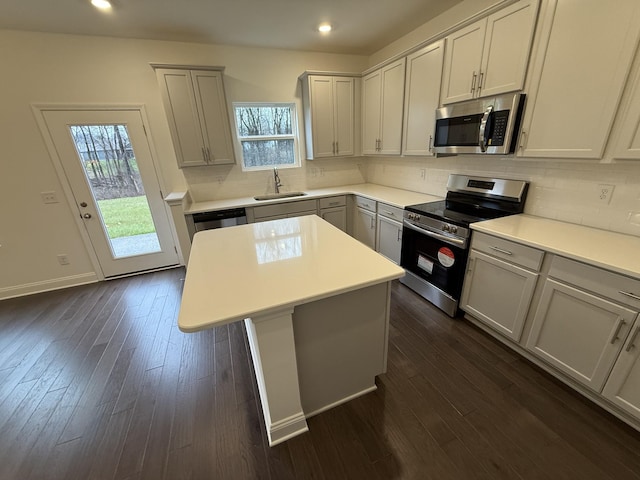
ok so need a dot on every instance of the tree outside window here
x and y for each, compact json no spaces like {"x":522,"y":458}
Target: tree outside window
{"x":268,"y":135}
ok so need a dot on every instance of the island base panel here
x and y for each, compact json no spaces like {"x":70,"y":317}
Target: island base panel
{"x":319,"y":355}
{"x":274,"y":359}
{"x":340,"y":346}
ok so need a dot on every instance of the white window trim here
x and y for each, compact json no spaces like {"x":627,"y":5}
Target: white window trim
{"x":293,"y":136}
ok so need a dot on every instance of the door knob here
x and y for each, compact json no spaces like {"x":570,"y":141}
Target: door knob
{"x":83,"y":204}
{"x":86,"y":215}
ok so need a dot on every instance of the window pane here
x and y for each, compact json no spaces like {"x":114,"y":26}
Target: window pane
{"x":257,"y":153}
{"x":263,"y":121}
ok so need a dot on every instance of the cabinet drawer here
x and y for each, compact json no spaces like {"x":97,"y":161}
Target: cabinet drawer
{"x":284,"y":208}
{"x":513,"y":252}
{"x":366,"y":203}
{"x":390,"y":211}
{"x":617,"y":287}
{"x":331,"y":202}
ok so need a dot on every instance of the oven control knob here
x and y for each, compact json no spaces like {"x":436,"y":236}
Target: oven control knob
{"x":445,"y":228}
{"x":416,"y":217}
{"x":453,"y":229}
{"x":410,"y":216}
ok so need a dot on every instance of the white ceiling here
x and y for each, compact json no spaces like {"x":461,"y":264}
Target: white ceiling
{"x":361,"y":26}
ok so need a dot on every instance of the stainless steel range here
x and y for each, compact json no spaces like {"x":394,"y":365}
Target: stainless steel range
{"x":435,"y":236}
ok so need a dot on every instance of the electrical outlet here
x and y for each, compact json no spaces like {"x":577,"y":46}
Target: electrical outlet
{"x":63,"y":259}
{"x":49,"y":197}
{"x":605,"y":192}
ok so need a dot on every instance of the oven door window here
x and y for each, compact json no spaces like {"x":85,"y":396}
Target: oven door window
{"x":437,"y":262}
{"x":458,"y":131}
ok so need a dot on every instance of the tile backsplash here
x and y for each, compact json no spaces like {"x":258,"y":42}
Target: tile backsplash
{"x":562,"y":190}
{"x":559,"y":189}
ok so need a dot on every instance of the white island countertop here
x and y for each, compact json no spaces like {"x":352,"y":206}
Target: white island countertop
{"x":238,"y":272}
{"x":609,"y":250}
{"x":393,"y":196}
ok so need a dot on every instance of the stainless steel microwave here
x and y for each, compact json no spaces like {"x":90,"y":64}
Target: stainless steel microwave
{"x":486,"y":125}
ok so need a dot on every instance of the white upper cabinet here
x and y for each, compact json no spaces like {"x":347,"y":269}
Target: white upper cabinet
{"x":578,"y":71}
{"x":329,"y":114}
{"x":490,"y":56}
{"x":626,"y":136}
{"x":421,"y":99}
{"x":196,"y":108}
{"x":382,"y":104}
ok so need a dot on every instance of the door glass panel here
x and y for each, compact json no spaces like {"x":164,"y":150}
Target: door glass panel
{"x":109,"y":163}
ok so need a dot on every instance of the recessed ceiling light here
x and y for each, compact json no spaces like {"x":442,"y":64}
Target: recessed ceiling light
{"x":324,"y":28}
{"x":101,"y":4}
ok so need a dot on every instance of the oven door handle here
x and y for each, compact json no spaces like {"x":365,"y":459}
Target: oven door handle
{"x":462,"y":243}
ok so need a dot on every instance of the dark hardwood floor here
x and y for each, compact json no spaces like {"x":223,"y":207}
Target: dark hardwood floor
{"x":98,"y":382}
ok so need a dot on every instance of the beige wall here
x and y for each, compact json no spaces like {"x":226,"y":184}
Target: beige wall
{"x":65,"y":69}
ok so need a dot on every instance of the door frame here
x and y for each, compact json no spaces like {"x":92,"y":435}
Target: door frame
{"x":38,"y":110}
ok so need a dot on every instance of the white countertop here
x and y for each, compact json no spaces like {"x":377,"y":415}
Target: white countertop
{"x":393,"y":196}
{"x":246,"y":270}
{"x":609,"y":250}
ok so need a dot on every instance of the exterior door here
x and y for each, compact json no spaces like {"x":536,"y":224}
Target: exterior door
{"x":105,"y":156}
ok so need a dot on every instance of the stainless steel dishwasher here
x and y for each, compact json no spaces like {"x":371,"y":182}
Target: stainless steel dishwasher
{"x":197,"y":222}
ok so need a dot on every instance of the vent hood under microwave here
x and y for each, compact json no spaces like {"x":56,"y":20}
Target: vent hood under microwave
{"x":484,"y":126}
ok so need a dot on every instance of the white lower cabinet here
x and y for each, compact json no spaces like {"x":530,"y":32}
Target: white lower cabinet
{"x":579,"y":333}
{"x":364,"y":221}
{"x":623,"y":385}
{"x":580,"y":322}
{"x":498,"y":293}
{"x":334,"y":211}
{"x":389,"y":232}
{"x":499,"y":284}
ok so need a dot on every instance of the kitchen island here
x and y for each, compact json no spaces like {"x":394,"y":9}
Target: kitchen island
{"x":315,"y":303}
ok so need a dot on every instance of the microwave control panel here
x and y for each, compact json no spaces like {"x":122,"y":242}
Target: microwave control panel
{"x":500,"y":120}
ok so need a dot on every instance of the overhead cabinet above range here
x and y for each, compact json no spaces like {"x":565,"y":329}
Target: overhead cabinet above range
{"x":196,"y":107}
{"x":490,"y":56}
{"x":329,"y":115}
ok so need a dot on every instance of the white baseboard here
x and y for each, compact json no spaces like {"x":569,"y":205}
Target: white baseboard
{"x":47,"y":285}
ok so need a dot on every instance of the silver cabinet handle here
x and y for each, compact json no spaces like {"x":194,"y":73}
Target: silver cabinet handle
{"x":431,"y":143}
{"x":372,"y":223}
{"x":631,"y":345}
{"x":506,"y":252}
{"x":208,"y":155}
{"x":621,"y":322}
{"x":473,"y":82}
{"x":399,"y":238}
{"x":388,"y":212}
{"x":480,"y":81}
{"x":630,"y":295}
{"x":331,"y":204}
{"x":523,"y":136}
{"x":337,"y":149}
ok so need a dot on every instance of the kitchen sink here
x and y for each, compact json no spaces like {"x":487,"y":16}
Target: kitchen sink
{"x":274,"y":196}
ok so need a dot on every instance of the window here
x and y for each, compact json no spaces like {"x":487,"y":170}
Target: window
{"x":267,"y":134}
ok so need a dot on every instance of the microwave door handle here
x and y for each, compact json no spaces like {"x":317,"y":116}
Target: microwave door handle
{"x":482,"y":140}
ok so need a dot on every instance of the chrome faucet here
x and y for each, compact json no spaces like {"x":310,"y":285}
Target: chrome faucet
{"x":276,"y":180}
